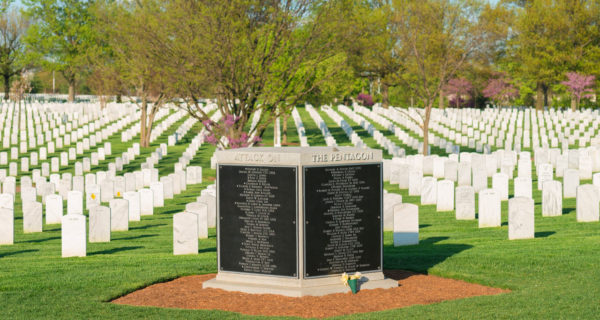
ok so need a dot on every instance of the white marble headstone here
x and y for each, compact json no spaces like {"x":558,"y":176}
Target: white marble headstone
{"x":146,"y":202}
{"x":119,"y":215}
{"x":588,"y":201}
{"x":74,"y":242}
{"x":489,"y":209}
{"x":7,"y":226}
{"x":54,"y":209}
{"x":201,"y":210}
{"x":465,"y":203}
{"x":552,"y":198}
{"x":134,"y":205}
{"x":100,"y":224}
{"x":211,"y":202}
{"x":445,"y":195}
{"x":406,"y":224}
{"x":75,"y":202}
{"x":429,"y":191}
{"x":185,"y":233}
{"x":158,"y":194}
{"x":520,"y":218}
{"x":32,"y":217}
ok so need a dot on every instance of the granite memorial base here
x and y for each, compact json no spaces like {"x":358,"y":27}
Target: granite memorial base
{"x":290,"y":221}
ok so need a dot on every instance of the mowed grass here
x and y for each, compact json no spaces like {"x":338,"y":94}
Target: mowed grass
{"x":554,"y":275}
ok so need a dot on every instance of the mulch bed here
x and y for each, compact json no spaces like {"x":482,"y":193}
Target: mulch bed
{"x":413,"y":289}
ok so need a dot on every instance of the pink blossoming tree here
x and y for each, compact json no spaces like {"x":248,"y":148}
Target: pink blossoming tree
{"x":458,"y":88}
{"x":501,"y":91}
{"x":580,"y":86}
{"x":223,"y":134}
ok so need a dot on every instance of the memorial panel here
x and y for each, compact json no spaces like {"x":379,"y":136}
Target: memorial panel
{"x":342,"y":210}
{"x":258,"y":232}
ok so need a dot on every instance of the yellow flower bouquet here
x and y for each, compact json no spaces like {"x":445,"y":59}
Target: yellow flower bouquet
{"x":351,"y":281}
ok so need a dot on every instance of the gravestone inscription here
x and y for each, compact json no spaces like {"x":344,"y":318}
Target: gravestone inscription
{"x":342,"y":206}
{"x":258,"y":220}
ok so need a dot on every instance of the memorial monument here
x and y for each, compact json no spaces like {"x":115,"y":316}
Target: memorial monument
{"x":291,"y":220}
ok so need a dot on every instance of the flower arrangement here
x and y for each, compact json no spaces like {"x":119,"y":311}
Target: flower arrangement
{"x":351,"y":281}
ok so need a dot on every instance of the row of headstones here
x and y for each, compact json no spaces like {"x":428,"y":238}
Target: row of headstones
{"x":341,"y":122}
{"x":465,"y":121}
{"x":64,"y":137}
{"x":417,"y":184}
{"x":48,"y":147}
{"x":55,"y":163}
{"x":103,"y":220}
{"x":28,"y":127}
{"x":128,"y":134}
{"x":300,"y":127}
{"x":178,"y":115}
{"x":380,"y":138}
{"x":495,"y":125}
{"x":72,"y":155}
{"x":403,"y":219}
{"x":193,"y":223}
{"x":85,"y":166}
{"x":329,"y":139}
{"x":480,"y":145}
{"x":529,"y":138}
{"x":181,"y":131}
{"x":479,"y":167}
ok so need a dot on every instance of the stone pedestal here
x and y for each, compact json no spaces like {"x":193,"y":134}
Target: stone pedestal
{"x":290,"y":221}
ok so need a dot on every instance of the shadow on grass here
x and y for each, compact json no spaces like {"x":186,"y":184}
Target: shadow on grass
{"x":207,"y":250}
{"x":40,"y":240}
{"x":138,"y":237}
{"x":568,"y":210}
{"x":6,"y":254}
{"x":115,"y":250}
{"x":544,"y":234}
{"x":148,"y":226}
{"x":420,"y":258}
{"x":421,"y":226}
{"x":172,"y":211}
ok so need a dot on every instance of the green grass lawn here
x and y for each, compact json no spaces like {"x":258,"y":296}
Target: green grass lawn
{"x":555,"y":275}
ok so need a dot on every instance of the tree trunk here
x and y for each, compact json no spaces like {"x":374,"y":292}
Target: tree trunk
{"x":426,"y":127}
{"x":71,"y":91}
{"x":102,"y":99}
{"x":6,"y":87}
{"x":150,"y":124}
{"x":539,"y":99}
{"x":143,"y":141}
{"x":441,"y":100}
{"x":284,"y":129}
{"x":549,"y":93}
{"x":385,"y":101}
{"x":573,"y":103}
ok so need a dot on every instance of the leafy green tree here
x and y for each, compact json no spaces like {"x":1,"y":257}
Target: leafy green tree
{"x":60,"y":37}
{"x":131,"y":56}
{"x":13,"y":26}
{"x":370,"y":42}
{"x":252,"y":55}
{"x":438,"y":38}
{"x":550,"y":38}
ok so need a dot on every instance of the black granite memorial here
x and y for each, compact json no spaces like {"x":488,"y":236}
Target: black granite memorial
{"x":342,"y":213}
{"x":290,"y":221}
{"x":257,"y":220}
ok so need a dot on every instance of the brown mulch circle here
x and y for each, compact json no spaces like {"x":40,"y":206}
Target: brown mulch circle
{"x":414,"y":288}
